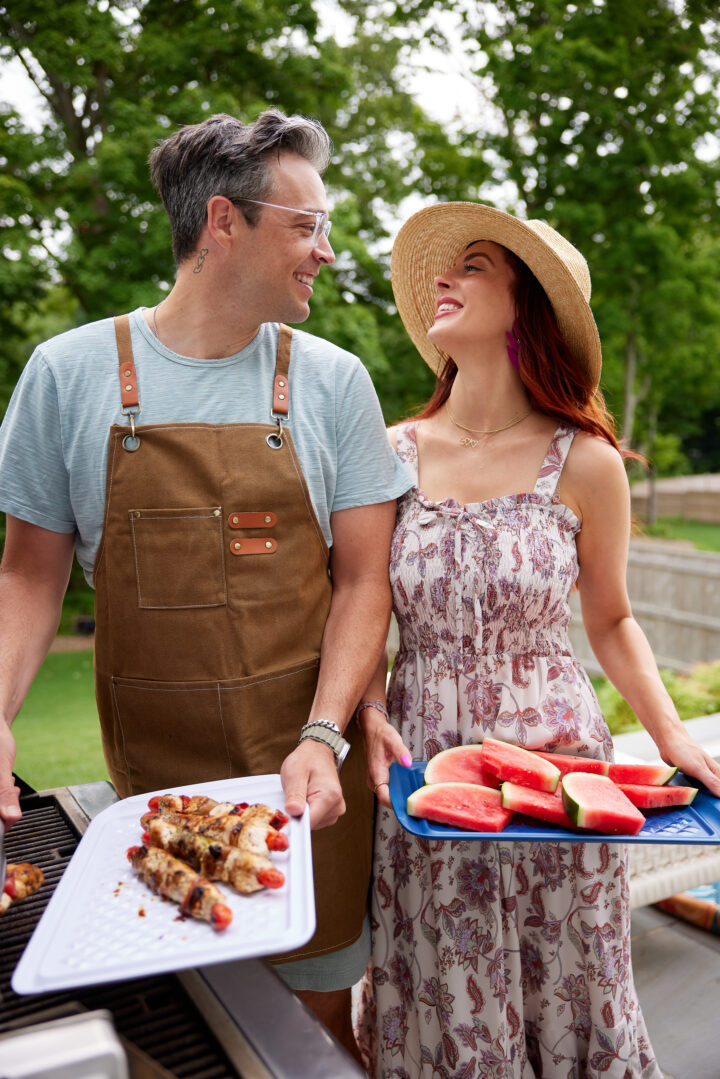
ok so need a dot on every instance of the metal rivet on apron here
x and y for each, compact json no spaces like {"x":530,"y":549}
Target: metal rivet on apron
{"x":281,"y":396}
{"x":237,"y":546}
{"x":127,"y":374}
{"x":128,"y":387}
{"x":216,"y":513}
{"x":274,"y":442}
{"x":268,"y":519}
{"x":234,"y":520}
{"x":137,"y":513}
{"x":268,"y":544}
{"x":280,"y":382}
{"x":131,"y":443}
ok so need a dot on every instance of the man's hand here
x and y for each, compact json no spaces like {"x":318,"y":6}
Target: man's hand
{"x":309,"y":776}
{"x":9,"y":793}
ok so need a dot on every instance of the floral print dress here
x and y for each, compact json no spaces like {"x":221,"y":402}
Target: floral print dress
{"x":493,"y":959}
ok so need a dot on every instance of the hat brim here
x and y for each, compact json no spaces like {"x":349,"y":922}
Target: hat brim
{"x":431,"y":240}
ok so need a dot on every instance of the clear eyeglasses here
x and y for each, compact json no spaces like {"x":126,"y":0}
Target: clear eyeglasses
{"x":323,"y":223}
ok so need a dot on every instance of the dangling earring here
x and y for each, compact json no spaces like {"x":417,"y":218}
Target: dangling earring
{"x":513,"y":344}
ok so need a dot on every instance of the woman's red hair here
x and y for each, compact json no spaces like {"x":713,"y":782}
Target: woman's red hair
{"x":555,"y":383}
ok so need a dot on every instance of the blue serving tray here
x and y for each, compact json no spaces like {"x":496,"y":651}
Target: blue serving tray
{"x":696,"y":823}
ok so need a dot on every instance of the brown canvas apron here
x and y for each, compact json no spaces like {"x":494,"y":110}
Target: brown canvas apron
{"x":212,"y":593}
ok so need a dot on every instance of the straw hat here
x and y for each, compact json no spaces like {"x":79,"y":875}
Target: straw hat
{"x":432,"y":239}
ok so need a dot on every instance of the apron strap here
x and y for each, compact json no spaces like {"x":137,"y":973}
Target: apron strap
{"x":281,"y":385}
{"x":128,"y":375}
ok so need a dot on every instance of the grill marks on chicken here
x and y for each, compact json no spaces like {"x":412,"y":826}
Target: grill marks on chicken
{"x":244,"y":871}
{"x":175,"y":880}
{"x":250,"y":829}
{"x":22,"y":879}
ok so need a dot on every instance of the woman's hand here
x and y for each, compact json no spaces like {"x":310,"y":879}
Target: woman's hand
{"x":680,"y":750}
{"x":383,"y":745}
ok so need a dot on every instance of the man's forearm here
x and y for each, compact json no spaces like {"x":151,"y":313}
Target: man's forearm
{"x":354,"y":639}
{"x":30,"y":617}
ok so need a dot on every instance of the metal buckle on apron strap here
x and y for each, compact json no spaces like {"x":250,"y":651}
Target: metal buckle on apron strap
{"x":131,"y":442}
{"x":275,"y":438}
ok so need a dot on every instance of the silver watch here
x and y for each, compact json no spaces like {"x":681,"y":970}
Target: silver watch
{"x":323,"y":732}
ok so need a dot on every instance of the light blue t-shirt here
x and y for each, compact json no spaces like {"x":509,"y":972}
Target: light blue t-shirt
{"x":54,"y":439}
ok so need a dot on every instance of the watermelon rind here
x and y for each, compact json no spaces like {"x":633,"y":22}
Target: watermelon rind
{"x":534,"y":803}
{"x":461,"y":805}
{"x":569,"y":762}
{"x":597,"y":803}
{"x":656,"y":774}
{"x":460,"y":764}
{"x":650,"y":796}
{"x":518,"y":765}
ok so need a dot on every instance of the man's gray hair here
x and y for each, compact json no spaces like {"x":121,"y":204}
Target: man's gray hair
{"x":224,"y":156}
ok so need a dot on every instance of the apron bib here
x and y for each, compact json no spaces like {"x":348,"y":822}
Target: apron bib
{"x":212,"y":593}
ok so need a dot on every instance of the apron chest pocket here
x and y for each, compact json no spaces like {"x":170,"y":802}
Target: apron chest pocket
{"x":179,"y":560}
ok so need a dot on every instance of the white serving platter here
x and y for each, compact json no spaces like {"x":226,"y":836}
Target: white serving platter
{"x":104,"y":924}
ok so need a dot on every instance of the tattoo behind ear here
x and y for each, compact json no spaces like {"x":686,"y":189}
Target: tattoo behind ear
{"x":201,"y":260}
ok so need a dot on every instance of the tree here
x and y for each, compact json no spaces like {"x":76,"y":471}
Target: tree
{"x":603,"y":110}
{"x":77,"y":210}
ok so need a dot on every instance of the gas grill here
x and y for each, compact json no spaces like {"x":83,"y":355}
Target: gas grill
{"x":226,"y":1021}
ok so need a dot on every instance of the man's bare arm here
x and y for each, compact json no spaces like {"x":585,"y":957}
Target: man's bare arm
{"x":354,"y":638}
{"x":34,"y":574}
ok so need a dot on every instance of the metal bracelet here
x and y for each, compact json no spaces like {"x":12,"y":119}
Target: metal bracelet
{"x":372,"y":704}
{"x":322,"y":723}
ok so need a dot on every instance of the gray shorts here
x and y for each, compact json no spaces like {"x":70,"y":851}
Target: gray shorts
{"x":336,"y":970}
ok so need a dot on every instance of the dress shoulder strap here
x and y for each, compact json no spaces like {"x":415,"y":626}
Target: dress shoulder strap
{"x":407,"y":447}
{"x":554,"y":461}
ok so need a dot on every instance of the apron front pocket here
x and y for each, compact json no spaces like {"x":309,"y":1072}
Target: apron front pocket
{"x":170,"y":733}
{"x":179,"y":560}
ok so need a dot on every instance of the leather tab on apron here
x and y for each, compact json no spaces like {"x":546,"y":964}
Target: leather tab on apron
{"x":253,"y":546}
{"x":281,"y":386}
{"x":252,"y":520}
{"x":128,"y":375}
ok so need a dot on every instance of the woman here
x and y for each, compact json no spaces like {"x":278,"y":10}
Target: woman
{"x":505,"y":959}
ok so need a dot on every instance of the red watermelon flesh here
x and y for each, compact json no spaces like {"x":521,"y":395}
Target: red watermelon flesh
{"x":519,"y":765}
{"x":649,"y":796}
{"x":533,"y":803}
{"x":461,"y":764}
{"x":462,"y":805}
{"x":568,"y":762}
{"x":597,"y":803}
{"x":657,"y":774}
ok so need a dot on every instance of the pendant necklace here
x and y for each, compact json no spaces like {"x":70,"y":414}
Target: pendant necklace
{"x":473,"y":442}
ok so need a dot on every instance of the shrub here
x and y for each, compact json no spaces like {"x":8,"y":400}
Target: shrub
{"x":696,"y":693}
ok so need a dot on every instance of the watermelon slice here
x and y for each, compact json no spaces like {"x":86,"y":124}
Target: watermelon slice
{"x":461,"y":764}
{"x":597,"y":803}
{"x":649,"y":796}
{"x":532,"y":803}
{"x":569,"y":762}
{"x":463,"y":805}
{"x":657,"y":774}
{"x":519,"y":765}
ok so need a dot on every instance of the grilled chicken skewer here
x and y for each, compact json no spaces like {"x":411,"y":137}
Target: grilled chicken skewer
{"x":198,"y":804}
{"x":22,"y":880}
{"x":174,"y":880}
{"x":244,"y":871}
{"x":249,"y":830}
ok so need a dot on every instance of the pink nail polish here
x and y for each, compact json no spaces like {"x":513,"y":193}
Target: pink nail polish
{"x":406,"y":759}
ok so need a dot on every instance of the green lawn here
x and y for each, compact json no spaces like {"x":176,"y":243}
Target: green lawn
{"x":57,"y":730}
{"x":703,"y":534}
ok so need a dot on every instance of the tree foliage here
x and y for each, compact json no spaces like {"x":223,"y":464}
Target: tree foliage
{"x":77,"y":211}
{"x":603,"y":108}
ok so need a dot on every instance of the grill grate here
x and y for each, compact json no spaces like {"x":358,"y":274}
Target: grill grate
{"x":155,"y":1014}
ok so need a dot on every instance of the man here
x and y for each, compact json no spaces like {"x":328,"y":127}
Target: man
{"x":236,"y":522}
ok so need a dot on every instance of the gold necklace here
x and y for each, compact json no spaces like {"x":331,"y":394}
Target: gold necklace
{"x":472,"y":442}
